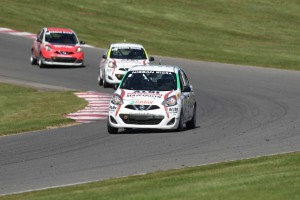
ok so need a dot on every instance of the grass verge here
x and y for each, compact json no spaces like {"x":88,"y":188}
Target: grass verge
{"x":274,"y":177}
{"x":250,"y":32}
{"x":25,"y":109}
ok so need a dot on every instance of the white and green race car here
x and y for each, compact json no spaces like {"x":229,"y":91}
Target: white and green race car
{"x":118,"y":59}
{"x":155,"y":97}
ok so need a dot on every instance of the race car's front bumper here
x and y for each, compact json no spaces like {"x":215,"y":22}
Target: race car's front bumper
{"x":76,"y":63}
{"x":152,"y":119}
{"x":66,"y":60}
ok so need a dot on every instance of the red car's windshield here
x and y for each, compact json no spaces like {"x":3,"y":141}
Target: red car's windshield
{"x":61,"y":38}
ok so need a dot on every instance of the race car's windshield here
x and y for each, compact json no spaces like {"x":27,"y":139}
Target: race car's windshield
{"x":128,"y":53}
{"x":149,"y":80}
{"x":61,"y":38}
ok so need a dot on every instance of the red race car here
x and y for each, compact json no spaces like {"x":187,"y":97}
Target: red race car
{"x":57,"y":46}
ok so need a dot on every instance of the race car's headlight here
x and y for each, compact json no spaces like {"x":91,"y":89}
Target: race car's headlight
{"x":170,"y":101}
{"x":79,"y":49}
{"x":116,"y":99}
{"x":111,"y":64}
{"x":48,"y":48}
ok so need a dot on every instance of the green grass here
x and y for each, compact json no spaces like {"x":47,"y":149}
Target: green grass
{"x":250,"y":32}
{"x":266,"y":178}
{"x":26,"y":109}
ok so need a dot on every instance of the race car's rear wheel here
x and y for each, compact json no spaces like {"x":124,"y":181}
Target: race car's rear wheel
{"x":192,"y":123}
{"x":110,"y":129}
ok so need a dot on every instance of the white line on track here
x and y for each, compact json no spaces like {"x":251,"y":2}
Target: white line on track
{"x":97,"y":108}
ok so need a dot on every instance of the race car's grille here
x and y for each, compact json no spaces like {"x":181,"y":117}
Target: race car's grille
{"x":63,"y":59}
{"x":142,"y":107}
{"x":64,"y":52}
{"x":141,"y":119}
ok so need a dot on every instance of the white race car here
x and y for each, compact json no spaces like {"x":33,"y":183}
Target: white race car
{"x":153,"y":96}
{"x":118,"y":59}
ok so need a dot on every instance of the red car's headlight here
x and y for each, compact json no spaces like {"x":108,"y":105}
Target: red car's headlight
{"x":79,"y":49}
{"x":48,"y":48}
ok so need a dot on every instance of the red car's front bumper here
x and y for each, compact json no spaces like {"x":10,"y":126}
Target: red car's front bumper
{"x":58,"y":57}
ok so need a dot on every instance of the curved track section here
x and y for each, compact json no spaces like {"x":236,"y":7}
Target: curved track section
{"x":242,"y":112}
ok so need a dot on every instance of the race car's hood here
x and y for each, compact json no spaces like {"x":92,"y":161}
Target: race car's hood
{"x":124,"y":63}
{"x":144,"y":97}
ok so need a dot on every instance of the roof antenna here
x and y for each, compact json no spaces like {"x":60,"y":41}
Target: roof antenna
{"x":160,"y":61}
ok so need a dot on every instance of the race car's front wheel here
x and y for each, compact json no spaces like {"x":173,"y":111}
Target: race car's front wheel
{"x":40,"y":62}
{"x":180,"y":123}
{"x":105,"y":84}
{"x":33,"y":60}
{"x":100,"y":79}
{"x":192,"y":123}
{"x":115,"y":86}
{"x":110,"y":129}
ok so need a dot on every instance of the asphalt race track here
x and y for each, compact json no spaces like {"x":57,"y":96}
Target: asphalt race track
{"x":242,"y":112}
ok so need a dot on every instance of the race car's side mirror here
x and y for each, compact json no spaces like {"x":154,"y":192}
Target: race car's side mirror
{"x":82,"y":42}
{"x":104,"y":56}
{"x":151,"y":59}
{"x":186,"y":89}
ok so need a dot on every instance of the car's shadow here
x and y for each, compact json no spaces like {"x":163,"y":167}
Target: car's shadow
{"x":151,"y":131}
{"x":61,"y":67}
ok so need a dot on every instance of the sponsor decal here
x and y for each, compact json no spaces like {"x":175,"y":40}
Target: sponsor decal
{"x":144,"y":94}
{"x":128,"y":61}
{"x":64,"y":32}
{"x":64,"y":46}
{"x":150,"y":72}
{"x":124,"y":47}
{"x":112,"y":107}
{"x":173,"y":110}
{"x":142,"y":102}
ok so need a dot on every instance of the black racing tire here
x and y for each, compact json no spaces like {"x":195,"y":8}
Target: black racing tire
{"x":100,"y":80}
{"x":40,"y":62}
{"x":33,"y":60}
{"x":116,"y":86}
{"x":180,"y":126}
{"x":192,"y":123}
{"x":105,"y":84}
{"x":110,"y":129}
